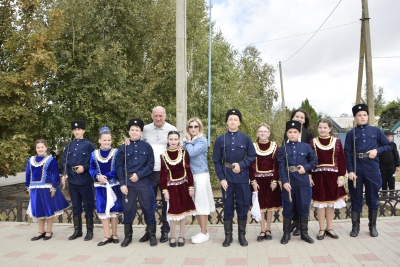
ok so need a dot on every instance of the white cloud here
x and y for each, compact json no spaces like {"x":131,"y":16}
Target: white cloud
{"x":328,"y":53}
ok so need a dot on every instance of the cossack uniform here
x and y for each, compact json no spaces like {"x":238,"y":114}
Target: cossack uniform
{"x":289,"y":158}
{"x":139,"y":159}
{"x":366,"y":138}
{"x":78,"y":153}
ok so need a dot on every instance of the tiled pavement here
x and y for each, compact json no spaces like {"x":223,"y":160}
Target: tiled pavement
{"x":16,"y":249}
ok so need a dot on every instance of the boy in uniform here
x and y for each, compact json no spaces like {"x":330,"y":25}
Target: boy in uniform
{"x":364,"y":143}
{"x":135,"y":163}
{"x":76,"y":160}
{"x":296,"y":159}
{"x":233,"y":154}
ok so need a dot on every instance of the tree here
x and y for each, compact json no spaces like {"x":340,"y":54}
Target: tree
{"x":379,"y":101}
{"x":390,"y":115}
{"x":312,"y":114}
{"x":26,"y":61}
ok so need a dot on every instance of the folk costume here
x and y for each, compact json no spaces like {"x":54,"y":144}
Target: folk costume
{"x":176,"y":178}
{"x":264,"y":171}
{"x":366,"y":138}
{"x":103,"y":162}
{"x":137,"y":157}
{"x":78,"y":153}
{"x":41,"y":177}
{"x":229,"y":148}
{"x":331,"y":167}
{"x":289,"y":157}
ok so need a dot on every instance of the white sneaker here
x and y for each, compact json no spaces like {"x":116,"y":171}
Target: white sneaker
{"x":196,"y":235}
{"x":201,"y":238}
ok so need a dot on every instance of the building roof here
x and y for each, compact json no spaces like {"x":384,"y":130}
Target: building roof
{"x":342,"y":124}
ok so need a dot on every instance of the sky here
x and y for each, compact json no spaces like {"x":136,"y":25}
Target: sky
{"x":325,"y":70}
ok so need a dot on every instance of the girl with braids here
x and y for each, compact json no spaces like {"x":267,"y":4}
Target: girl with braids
{"x":176,"y":181}
{"x":327,"y":180}
{"x":42,"y":180}
{"x":103,"y":169}
{"x":264,"y":178}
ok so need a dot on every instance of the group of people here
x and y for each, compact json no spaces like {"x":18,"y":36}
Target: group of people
{"x":153,"y":158}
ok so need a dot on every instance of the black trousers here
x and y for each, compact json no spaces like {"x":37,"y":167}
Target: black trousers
{"x":82,"y":193}
{"x":388,"y":180}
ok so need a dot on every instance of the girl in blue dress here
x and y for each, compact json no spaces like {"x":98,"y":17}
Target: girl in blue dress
{"x":42,"y":180}
{"x":108,"y":194}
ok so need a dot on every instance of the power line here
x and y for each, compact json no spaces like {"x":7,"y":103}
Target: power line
{"x":326,"y":80}
{"x":314,"y":33}
{"x":388,"y":57}
{"x":302,"y":34}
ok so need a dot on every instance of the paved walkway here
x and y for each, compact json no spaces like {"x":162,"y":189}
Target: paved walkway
{"x":16,"y":249}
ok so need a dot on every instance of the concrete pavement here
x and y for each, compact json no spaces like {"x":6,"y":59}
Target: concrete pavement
{"x":16,"y":249}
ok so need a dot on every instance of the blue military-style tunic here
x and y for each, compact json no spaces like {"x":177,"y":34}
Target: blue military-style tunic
{"x":229,"y":148}
{"x":140,"y":160}
{"x":78,"y":153}
{"x":367,"y":170}
{"x":297,"y":154}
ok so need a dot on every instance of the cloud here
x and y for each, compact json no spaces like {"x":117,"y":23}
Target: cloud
{"x":327,"y":54}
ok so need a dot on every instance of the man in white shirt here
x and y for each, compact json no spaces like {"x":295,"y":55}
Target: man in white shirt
{"x":156,"y":134}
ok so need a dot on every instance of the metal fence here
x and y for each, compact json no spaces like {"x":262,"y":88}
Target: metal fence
{"x":16,"y":212}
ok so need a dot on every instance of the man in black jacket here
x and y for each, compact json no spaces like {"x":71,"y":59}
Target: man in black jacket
{"x":389,"y":164}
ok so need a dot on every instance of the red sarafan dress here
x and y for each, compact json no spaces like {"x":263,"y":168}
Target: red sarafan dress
{"x":176,"y":177}
{"x":264,"y":170}
{"x":331,"y":167}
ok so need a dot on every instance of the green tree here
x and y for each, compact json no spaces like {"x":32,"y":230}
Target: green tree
{"x":379,"y":100}
{"x":390,"y":115}
{"x":26,"y":61}
{"x":312,"y":114}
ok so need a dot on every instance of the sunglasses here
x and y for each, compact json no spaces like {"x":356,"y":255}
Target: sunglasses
{"x":196,"y":126}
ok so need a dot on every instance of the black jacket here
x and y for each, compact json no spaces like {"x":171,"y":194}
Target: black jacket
{"x":390,"y":158}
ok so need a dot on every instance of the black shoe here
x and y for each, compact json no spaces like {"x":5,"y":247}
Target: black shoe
{"x":128,"y":231}
{"x":108,"y":240}
{"x":330,"y":234}
{"x":77,"y":228}
{"x":294,"y":227}
{"x":242,"y":233}
{"x":372,"y":216}
{"x":304,"y":230}
{"x":115,"y":240}
{"x":355,"y":220}
{"x":268,"y":236}
{"x":47,"y":237}
{"x":144,"y":238}
{"x":228,"y":233}
{"x":321,"y":237}
{"x":286,"y":231}
{"x":181,"y":244}
{"x":261,"y":238}
{"x":89,"y":229}
{"x":42,"y":235}
{"x":172,"y":245}
{"x":164,"y":237}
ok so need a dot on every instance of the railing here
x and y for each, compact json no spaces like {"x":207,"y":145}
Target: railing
{"x":388,"y":206}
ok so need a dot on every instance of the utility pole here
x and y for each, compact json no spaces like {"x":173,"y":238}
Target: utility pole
{"x":283,"y":96}
{"x":368,"y":63}
{"x":361,"y":64}
{"x":181,"y":79}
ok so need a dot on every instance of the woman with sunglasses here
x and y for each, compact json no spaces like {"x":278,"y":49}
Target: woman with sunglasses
{"x":196,"y":145}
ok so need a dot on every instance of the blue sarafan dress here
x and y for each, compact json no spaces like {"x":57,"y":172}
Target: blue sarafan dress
{"x":103,"y":162}
{"x":42,"y":174}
